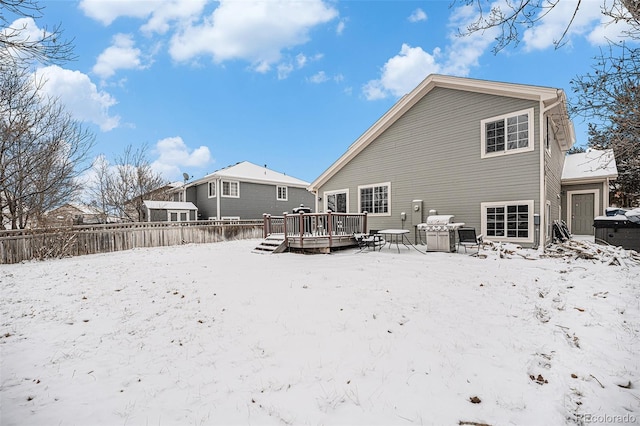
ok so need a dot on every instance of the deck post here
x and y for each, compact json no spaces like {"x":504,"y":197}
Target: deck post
{"x":330,"y":228}
{"x":364,"y":223}
{"x":266,"y":225}
{"x":286,"y":234}
{"x":301,"y":221}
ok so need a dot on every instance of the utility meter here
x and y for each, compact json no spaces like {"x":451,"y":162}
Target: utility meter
{"x":416,"y":212}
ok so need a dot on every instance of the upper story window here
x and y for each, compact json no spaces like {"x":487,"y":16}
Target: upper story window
{"x":230,"y":189}
{"x":281,"y":193}
{"x":507,"y":134}
{"x":375,"y":199}
{"x":212,"y":189}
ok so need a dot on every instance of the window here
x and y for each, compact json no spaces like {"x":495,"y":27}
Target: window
{"x":337,"y":201}
{"x":212,"y":189}
{"x":230,"y":189}
{"x":506,"y":134}
{"x":281,"y":193}
{"x":375,"y":199}
{"x":511,"y":220}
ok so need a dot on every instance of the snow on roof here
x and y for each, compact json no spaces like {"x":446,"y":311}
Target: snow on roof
{"x":85,"y":209}
{"x":173,"y":205}
{"x":592,"y":164}
{"x":246,"y":171}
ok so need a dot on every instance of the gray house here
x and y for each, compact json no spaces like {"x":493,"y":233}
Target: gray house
{"x":244,"y":191}
{"x":490,"y":153}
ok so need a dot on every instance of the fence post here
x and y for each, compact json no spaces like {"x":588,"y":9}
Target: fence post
{"x":330,"y":228}
{"x":364,"y":222}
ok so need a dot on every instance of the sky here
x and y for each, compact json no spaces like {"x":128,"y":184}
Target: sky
{"x":290,"y":85}
{"x":391,"y":337}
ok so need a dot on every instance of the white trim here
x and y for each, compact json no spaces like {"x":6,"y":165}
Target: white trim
{"x":337,"y":191}
{"x":530,"y":130}
{"x":547,"y":223}
{"x":286,"y":192}
{"x":374,"y":185}
{"x":596,"y":203}
{"x":483,"y":215}
{"x":237,"y":183}
{"x":212,"y":184}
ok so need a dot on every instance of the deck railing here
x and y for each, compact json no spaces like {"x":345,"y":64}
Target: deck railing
{"x":306,"y":226}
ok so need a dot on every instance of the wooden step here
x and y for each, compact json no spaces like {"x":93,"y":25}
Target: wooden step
{"x":271,"y":244}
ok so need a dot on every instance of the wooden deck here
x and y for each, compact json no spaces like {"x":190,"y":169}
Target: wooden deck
{"x":316,"y":232}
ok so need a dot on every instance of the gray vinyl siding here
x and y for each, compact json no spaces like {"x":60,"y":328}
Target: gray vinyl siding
{"x":255,"y":200}
{"x":199,"y":195}
{"x":433,"y":153}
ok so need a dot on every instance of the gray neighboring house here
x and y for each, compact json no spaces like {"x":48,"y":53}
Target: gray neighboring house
{"x":168,"y":211}
{"x":245,"y":191}
{"x":586,"y":179}
{"x":490,"y":153}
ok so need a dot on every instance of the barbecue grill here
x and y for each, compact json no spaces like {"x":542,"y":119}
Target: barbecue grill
{"x":440,"y":232}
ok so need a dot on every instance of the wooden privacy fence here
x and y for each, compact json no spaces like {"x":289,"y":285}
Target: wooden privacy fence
{"x":27,"y":244}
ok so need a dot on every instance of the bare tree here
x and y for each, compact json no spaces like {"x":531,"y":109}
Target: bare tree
{"x":42,"y":149}
{"x":122,"y":187}
{"x":512,"y":16}
{"x":17,"y":46}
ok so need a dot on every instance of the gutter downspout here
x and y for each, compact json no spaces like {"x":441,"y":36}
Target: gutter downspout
{"x":218,"y":197}
{"x":543,"y":187}
{"x":542,"y":239}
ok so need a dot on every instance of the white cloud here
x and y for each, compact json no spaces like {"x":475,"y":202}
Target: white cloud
{"x":80,"y":96}
{"x":107,"y":11}
{"x":175,"y":157}
{"x":160,"y":13}
{"x":319,"y":77}
{"x":255,"y":31}
{"x":403,"y":72}
{"x":122,"y":54}
{"x":418,"y":15}
{"x":341,"y":26}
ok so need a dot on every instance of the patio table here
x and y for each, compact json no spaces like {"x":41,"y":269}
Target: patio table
{"x":396,"y":235}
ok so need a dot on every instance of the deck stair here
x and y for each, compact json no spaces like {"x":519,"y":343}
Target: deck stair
{"x":271,"y":244}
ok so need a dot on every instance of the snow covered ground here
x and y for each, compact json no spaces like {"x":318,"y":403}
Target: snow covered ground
{"x":215,"y":334}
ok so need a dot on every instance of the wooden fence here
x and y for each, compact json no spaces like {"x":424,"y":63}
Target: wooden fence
{"x":28,"y":244}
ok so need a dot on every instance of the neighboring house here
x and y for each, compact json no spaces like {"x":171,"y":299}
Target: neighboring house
{"x":490,"y":153}
{"x":133,"y":208}
{"x":586,"y":178}
{"x":244,"y":191}
{"x":75,"y":214}
{"x":168,"y":211}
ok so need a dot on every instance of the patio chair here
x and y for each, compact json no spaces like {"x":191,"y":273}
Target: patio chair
{"x":370,"y":240}
{"x":467,"y":238}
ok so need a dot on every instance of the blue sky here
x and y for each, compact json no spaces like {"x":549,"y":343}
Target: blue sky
{"x":287,"y":84}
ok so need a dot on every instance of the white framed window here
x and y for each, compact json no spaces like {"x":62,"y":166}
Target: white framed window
{"x":230,"y":188}
{"x":212,"y":189}
{"x":507,"y":134}
{"x":337,"y":201}
{"x":231,"y":219}
{"x":177,"y":216}
{"x":282,"y":193}
{"x":508,"y":221}
{"x":375,"y":199}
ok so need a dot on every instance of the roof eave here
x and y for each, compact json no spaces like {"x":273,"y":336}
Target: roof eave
{"x":406,"y":102}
